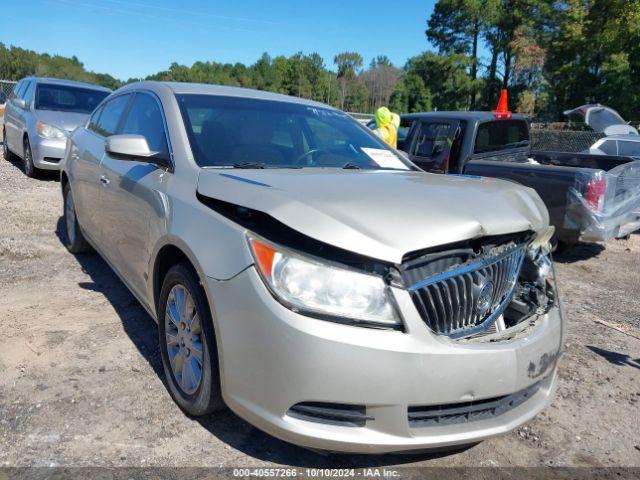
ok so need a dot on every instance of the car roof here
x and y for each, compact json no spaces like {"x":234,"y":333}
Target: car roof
{"x":68,"y":83}
{"x":464,"y":115}
{"x":209,"y":89}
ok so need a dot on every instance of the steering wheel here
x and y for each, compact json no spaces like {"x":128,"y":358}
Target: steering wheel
{"x":299,"y":158}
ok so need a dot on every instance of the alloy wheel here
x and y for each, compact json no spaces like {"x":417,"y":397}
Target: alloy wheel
{"x":183,"y":332}
{"x":29,"y":168}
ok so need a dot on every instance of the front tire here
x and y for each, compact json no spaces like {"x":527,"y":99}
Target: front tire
{"x":6,"y":153}
{"x":187,"y":343}
{"x":74,"y":239}
{"x":30,"y":169}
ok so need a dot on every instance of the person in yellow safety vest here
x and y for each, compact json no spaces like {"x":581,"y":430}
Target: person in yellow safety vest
{"x":387,"y":129}
{"x":395,"y":120}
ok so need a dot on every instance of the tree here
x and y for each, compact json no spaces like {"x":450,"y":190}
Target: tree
{"x":593,"y":54}
{"x":16,"y":63}
{"x":380,"y":80}
{"x":411,"y":95}
{"x":456,"y":27}
{"x":551,"y":54}
{"x":348,"y":64}
{"x":445,"y":77}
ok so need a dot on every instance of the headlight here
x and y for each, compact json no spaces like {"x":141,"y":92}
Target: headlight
{"x":49,"y":131}
{"x":542,"y":241}
{"x":542,"y":264}
{"x":318,"y":288}
{"x":539,"y":252}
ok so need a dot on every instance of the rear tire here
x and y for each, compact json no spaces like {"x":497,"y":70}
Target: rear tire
{"x":30,"y":169}
{"x":74,"y":239}
{"x":187,"y":343}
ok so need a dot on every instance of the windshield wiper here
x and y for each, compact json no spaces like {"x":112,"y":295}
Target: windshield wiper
{"x":259,"y":165}
{"x":249,"y":165}
{"x":350,"y":166}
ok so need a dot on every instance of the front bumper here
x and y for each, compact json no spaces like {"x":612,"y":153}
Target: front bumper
{"x":272,"y":358}
{"x":47,"y":153}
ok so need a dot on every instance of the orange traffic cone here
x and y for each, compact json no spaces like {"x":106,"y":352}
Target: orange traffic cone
{"x":502,"y":110}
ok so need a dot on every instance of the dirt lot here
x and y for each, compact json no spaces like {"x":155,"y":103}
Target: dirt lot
{"x":81,"y":381}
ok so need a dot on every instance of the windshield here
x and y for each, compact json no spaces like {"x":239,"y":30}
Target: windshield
{"x":68,"y":99}
{"x":251,"y":133}
{"x":501,"y":135}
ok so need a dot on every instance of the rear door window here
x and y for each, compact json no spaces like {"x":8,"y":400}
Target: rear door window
{"x":111,"y":115}
{"x":501,"y":135}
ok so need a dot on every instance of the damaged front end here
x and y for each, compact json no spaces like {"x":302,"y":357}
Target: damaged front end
{"x":486,"y":290}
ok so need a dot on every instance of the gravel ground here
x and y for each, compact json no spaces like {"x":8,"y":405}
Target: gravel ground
{"x":81,"y":381}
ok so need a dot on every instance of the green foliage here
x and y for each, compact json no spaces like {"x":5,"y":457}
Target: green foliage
{"x":594,"y":54}
{"x":551,"y":55}
{"x":454,"y":24}
{"x":411,"y":95}
{"x":348,"y":64}
{"x":299,"y":75}
{"x":16,"y":63}
{"x":444,"y":81}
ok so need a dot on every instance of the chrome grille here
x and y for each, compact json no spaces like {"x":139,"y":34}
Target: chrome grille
{"x":469,"y":297}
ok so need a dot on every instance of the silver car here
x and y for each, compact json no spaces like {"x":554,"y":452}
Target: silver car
{"x":312,"y":279}
{"x":40,"y":114}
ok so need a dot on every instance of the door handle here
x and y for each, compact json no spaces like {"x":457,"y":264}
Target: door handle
{"x":104,"y":180}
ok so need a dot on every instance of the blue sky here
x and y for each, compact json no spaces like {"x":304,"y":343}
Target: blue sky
{"x":138,"y":37}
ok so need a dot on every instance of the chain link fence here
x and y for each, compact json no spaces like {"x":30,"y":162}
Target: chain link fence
{"x":6,"y":87}
{"x":573,"y":141}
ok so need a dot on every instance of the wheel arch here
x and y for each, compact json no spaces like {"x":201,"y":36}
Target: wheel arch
{"x":167,"y":255}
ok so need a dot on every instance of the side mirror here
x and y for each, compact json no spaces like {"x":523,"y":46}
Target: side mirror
{"x":134,"y":148}
{"x":20,"y":103}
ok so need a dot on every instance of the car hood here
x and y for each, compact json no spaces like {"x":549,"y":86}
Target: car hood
{"x":68,"y":121}
{"x":380,"y":214}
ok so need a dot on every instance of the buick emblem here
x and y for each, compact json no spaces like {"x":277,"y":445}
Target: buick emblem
{"x":485,"y":295}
